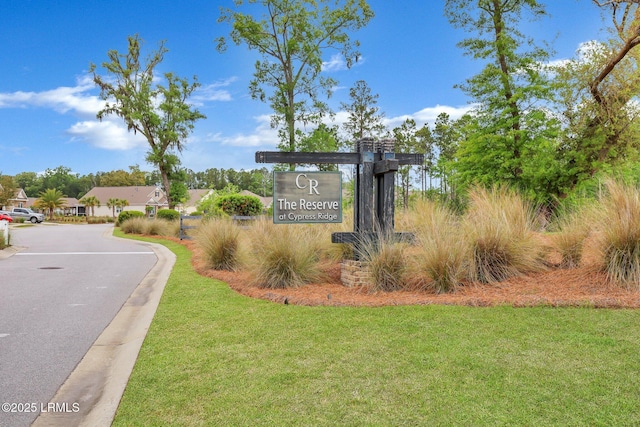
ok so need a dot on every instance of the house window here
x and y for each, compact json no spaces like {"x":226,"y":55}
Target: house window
{"x":157,"y":193}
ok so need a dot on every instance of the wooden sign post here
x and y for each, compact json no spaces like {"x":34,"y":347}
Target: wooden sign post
{"x":376,"y":165}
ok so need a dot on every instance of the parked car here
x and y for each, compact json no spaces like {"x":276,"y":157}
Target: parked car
{"x":5,"y":217}
{"x":25,"y":213}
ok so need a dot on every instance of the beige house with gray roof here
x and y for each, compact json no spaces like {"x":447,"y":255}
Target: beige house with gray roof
{"x":146,"y":199}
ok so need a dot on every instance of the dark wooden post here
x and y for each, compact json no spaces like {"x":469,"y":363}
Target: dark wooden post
{"x":376,"y":165}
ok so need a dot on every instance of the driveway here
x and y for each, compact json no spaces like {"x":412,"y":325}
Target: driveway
{"x":57,"y":296}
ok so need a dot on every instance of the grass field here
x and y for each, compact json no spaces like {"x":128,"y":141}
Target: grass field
{"x":213,"y":357}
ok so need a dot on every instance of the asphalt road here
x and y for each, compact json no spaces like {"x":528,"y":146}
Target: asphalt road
{"x":56,"y":297}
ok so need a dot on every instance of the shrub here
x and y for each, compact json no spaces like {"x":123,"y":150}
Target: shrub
{"x":156,"y":227}
{"x":285,"y":256}
{"x":570,"y":231}
{"x":134,"y":225}
{"x":499,"y":226}
{"x":125,"y":215}
{"x":619,"y":234}
{"x":387,"y":263}
{"x":238,"y":204}
{"x":220,"y":243}
{"x":99,"y":219}
{"x":168,"y":214}
{"x":442,"y":255}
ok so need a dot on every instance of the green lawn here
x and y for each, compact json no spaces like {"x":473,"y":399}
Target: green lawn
{"x":213,"y":357}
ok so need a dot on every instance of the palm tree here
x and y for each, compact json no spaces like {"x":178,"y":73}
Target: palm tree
{"x":112,"y":203}
{"x":50,"y":199}
{"x":121,"y":203}
{"x":91,"y":202}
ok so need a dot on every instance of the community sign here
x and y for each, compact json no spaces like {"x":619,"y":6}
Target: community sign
{"x":307,"y":197}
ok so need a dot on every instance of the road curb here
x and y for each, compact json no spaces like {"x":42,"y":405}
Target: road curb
{"x":96,"y":385}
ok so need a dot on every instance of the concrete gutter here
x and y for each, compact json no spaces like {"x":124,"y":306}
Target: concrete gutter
{"x":99,"y":380}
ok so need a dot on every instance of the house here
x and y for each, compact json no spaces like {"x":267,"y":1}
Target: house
{"x":191,"y":204}
{"x":19,"y":201}
{"x":147,"y":199}
{"x":72,"y":207}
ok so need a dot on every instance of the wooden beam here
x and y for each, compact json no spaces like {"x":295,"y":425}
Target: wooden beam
{"x":385,"y":166}
{"x":329,"y":158}
{"x":409,"y":159}
{"x":306,"y":158}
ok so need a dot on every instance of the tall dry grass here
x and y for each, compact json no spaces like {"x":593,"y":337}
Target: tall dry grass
{"x":499,"y":226}
{"x":618,"y":238}
{"x":387,"y":262}
{"x":569,"y":234}
{"x":149,"y":227}
{"x":440,"y":260}
{"x":219,"y":240}
{"x":134,"y":226}
{"x":285,"y":256}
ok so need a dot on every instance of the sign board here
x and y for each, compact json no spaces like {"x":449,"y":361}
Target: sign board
{"x":307,"y":197}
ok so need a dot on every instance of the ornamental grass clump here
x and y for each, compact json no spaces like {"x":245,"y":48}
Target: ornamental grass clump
{"x":619,"y":234}
{"x":570,"y":231}
{"x":441,"y":259}
{"x":499,"y":226}
{"x":156,"y":227}
{"x":219,"y":240}
{"x":285,"y":256}
{"x":386,"y":261}
{"x":134,"y":225}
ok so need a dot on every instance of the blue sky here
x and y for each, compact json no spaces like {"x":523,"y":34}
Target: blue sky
{"x":48,"y":102}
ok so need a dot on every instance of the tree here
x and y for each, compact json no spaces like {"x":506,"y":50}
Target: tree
{"x":112,"y":203}
{"x":91,"y":202}
{"x":29,"y":182}
{"x":424,"y":144}
{"x":8,"y":189}
{"x":321,"y":139}
{"x":365,"y":118}
{"x":160,"y":113}
{"x":598,"y":93}
{"x":51,"y":199}
{"x":291,"y":37}
{"x":121,"y":203}
{"x":406,"y":141}
{"x":122,"y":178}
{"x":510,"y":128}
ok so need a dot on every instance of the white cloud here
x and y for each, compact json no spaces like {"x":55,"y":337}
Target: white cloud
{"x":262,"y":136}
{"x":429,"y":115}
{"x":111,"y":133}
{"x":108,"y":135}
{"x":337,"y":63}
{"x":213,"y":92}
{"x":62,"y":100}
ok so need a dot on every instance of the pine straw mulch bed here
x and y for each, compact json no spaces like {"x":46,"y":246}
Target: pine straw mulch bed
{"x":577,"y":287}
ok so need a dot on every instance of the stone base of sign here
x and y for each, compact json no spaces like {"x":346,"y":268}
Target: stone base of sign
{"x":354,"y":273}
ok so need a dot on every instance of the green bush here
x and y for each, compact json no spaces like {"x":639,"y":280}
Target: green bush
{"x":168,"y":214}
{"x":237,"y":204}
{"x":125,"y":215}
